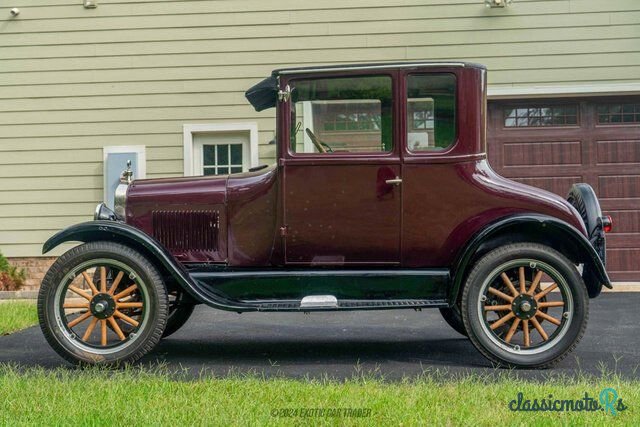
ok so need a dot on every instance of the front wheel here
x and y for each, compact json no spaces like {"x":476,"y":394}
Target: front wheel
{"x":525,"y":305}
{"x":102,"y":303}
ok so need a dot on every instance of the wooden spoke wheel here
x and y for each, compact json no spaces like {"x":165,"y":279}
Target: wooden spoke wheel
{"x":519,"y":300}
{"x":102,"y":302}
{"x":524,"y":305}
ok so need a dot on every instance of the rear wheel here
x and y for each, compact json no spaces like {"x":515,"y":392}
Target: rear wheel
{"x":453,"y":317}
{"x":525,"y":305}
{"x":180,"y":310}
{"x":102,"y":303}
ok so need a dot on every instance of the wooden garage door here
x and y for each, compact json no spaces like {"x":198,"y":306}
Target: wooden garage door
{"x":554,"y":143}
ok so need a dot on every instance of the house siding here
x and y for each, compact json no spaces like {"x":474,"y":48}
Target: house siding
{"x":132,"y":72}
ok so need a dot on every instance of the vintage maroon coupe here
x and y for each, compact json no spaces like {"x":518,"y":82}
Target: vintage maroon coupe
{"x":381,"y":198}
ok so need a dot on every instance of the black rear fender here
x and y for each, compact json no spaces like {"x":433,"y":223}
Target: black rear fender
{"x":533,"y":229}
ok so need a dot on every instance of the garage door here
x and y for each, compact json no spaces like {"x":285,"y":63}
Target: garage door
{"x":552,"y":144}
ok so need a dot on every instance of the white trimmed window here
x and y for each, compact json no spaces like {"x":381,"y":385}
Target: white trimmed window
{"x":220,"y":149}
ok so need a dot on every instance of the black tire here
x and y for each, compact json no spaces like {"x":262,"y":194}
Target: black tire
{"x":54,"y":320}
{"x":453,"y":317}
{"x":180,"y":310}
{"x":477,"y":306}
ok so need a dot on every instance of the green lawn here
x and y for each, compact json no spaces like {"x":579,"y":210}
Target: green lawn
{"x":136,"y":396}
{"x":16,"y":315}
{"x":140,"y":396}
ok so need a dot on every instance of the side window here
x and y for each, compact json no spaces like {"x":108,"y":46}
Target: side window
{"x":333,"y":115}
{"x":431,"y":111}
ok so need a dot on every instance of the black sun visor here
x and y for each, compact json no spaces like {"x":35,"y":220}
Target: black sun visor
{"x":263,"y":95}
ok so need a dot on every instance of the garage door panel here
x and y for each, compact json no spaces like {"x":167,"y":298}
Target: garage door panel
{"x":558,"y":184}
{"x":623,"y":260}
{"x":625,"y":221}
{"x":618,"y":152}
{"x":619,"y":187}
{"x":623,"y":240}
{"x":531,"y":142}
{"x":547,"y":153}
{"x":618,"y":204}
{"x":512,"y":172}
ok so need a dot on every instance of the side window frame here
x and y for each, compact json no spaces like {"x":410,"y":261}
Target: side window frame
{"x":285,"y":122}
{"x":407,"y":152}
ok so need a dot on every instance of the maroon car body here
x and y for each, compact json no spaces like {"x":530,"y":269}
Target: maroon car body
{"x":278,"y":217}
{"x":379,"y":225}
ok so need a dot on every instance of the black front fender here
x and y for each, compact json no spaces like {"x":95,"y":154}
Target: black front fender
{"x":119,"y":232}
{"x":537,"y":229}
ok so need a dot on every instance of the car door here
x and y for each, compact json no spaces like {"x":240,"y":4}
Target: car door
{"x":341,"y":165}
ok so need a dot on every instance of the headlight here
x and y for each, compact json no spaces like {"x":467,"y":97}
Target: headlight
{"x":103,"y":213}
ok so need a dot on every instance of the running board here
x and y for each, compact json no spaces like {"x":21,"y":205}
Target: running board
{"x":353,"y":289}
{"x":304,"y":305}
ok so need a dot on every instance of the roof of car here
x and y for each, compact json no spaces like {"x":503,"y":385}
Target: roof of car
{"x":375,"y":66}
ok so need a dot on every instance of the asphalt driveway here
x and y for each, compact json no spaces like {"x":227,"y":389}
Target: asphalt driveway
{"x":393,"y":344}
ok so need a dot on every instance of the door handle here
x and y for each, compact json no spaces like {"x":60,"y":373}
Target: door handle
{"x":396,"y":181}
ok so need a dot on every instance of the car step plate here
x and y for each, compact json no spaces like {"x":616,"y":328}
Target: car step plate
{"x":319,"y":301}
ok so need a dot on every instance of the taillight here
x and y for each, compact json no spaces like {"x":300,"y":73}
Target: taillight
{"x":607,"y":223}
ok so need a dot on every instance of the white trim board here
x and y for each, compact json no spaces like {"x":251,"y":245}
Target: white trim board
{"x":189,"y":129}
{"x":533,"y":91}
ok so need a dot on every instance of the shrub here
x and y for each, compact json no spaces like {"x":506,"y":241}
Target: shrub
{"x":11,"y":278}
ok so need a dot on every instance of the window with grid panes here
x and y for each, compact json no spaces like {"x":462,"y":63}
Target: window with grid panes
{"x":222,"y":159}
{"x":618,"y":113}
{"x":541,"y":116}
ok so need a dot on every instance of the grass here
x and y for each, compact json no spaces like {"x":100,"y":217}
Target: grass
{"x":139,"y":396}
{"x":17,"y":315}
{"x":145,"y":396}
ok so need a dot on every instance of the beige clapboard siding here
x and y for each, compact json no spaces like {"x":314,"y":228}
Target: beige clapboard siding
{"x":236,"y":12}
{"x":28,"y":236}
{"x":12,"y":84}
{"x":79,"y":155}
{"x":31,"y":250}
{"x":224,"y":112}
{"x":162,"y":61}
{"x":45,"y":196}
{"x":133,"y":72}
{"x":126,"y":101}
{"x":36,"y":210}
{"x":52,"y":183}
{"x":265,"y":12}
{"x":120,"y":128}
{"x":249,"y":34}
{"x":34,"y":170}
{"x":41,"y":223}
{"x":207,"y":27}
{"x":266,"y":45}
{"x":151,"y":141}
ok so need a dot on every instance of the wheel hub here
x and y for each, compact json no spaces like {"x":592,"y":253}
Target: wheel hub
{"x":524,"y":306}
{"x":102,"y":306}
